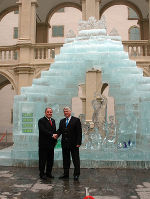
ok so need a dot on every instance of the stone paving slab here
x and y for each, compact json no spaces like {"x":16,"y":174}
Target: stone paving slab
{"x":24,"y":183}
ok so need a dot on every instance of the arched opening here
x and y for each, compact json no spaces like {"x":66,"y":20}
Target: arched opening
{"x":121,"y":2}
{"x":9,"y":27}
{"x":134,"y":33}
{"x":8,"y":10}
{"x":7,"y":93}
{"x":60,"y":6}
{"x":62,"y":19}
{"x":127,"y":18}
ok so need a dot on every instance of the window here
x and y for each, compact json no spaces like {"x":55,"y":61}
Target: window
{"x":57,"y":31}
{"x":16,"y":11}
{"x":132,"y":14}
{"x":15,"y":32}
{"x":61,"y":10}
{"x":134,"y":33}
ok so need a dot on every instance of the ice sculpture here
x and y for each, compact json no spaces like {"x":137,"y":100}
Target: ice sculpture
{"x":128,"y":138}
{"x":99,"y":115}
{"x":70,"y":36}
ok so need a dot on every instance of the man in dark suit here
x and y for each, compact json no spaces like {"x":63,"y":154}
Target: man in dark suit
{"x":47,"y":142}
{"x":71,"y":131}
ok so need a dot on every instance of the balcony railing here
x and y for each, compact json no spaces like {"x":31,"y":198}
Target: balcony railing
{"x":45,"y":53}
{"x":39,"y":52}
{"x":138,"y":48}
{"x":9,"y":54}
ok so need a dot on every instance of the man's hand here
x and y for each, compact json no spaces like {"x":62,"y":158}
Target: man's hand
{"x":77,"y":145}
{"x":55,"y":136}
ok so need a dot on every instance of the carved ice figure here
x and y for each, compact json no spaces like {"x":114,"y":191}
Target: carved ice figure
{"x":111,"y":137}
{"x":86,"y":131}
{"x":99,"y":114}
{"x":71,"y":34}
{"x":101,"y":24}
{"x":114,"y":35}
{"x":114,"y":32}
{"x":92,"y":23}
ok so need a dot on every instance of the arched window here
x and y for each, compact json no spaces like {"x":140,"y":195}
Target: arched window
{"x":132,"y":14}
{"x":61,"y":22}
{"x":134,"y":33}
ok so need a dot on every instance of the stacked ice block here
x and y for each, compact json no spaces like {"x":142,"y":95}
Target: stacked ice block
{"x":57,"y":86}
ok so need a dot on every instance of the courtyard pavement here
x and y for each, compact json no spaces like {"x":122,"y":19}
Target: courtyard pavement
{"x":24,"y":183}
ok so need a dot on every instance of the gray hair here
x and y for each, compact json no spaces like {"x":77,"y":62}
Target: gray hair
{"x":48,"y":108}
{"x":67,"y":107}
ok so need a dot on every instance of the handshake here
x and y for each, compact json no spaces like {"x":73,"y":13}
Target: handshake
{"x":55,"y":136}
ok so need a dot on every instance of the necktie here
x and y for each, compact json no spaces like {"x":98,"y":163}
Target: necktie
{"x":50,"y":121}
{"x":67,"y":121}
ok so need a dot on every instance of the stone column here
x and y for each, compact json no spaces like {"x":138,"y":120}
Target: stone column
{"x":144,"y":25}
{"x":90,"y":8}
{"x":42,"y":33}
{"x":83,"y":98}
{"x":93,"y":84}
{"x":57,"y":50}
{"x":27,"y":34}
{"x":24,"y":76}
{"x":27,"y":21}
{"x":97,"y":9}
{"x":149,"y":22}
{"x":83,"y":9}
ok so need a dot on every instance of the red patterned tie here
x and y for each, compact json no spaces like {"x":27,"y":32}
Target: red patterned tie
{"x":50,"y":122}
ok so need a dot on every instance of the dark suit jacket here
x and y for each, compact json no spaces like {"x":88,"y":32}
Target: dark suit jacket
{"x":46,"y":132}
{"x":72,"y":134}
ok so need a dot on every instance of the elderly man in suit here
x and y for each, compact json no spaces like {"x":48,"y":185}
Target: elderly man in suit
{"x":47,"y":142}
{"x":71,"y":131}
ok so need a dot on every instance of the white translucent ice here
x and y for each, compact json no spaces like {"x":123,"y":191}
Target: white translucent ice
{"x":57,"y":87}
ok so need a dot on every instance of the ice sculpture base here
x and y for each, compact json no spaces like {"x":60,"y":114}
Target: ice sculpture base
{"x":5,"y":157}
{"x":122,"y":143}
{"x":89,"y":159}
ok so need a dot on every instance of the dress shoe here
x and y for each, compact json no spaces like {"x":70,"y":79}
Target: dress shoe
{"x":76,"y":178}
{"x":49,"y":176}
{"x":64,"y":177}
{"x":43,"y":177}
